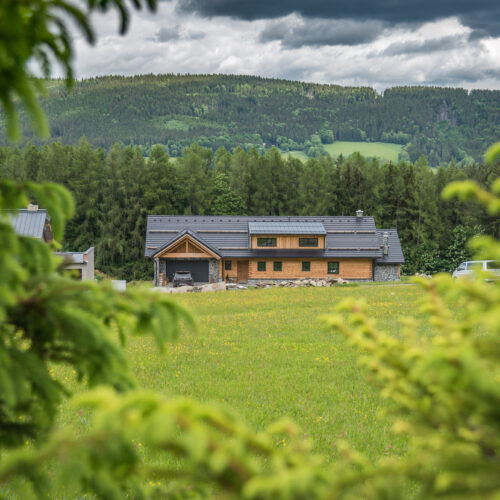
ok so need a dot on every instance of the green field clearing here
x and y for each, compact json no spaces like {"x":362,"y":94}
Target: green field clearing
{"x":382,"y":150}
{"x":264,"y":354}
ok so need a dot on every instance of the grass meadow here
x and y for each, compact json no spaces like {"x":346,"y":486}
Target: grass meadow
{"x":385,"y":151}
{"x":264,"y":354}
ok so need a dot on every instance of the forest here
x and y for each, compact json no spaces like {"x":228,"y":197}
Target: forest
{"x":444,"y":124}
{"x":115,"y":190}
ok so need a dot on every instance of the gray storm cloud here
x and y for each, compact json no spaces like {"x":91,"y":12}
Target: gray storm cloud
{"x":312,"y":45}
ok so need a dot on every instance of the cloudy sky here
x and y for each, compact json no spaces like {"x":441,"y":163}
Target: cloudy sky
{"x":379,"y":43}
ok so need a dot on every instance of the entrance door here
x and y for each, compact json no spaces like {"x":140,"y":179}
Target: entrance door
{"x":243,"y":270}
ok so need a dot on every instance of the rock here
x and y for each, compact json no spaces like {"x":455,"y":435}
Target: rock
{"x":214,"y":287}
{"x":181,"y":289}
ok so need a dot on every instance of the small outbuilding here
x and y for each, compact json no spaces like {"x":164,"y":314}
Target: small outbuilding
{"x":80,"y":262}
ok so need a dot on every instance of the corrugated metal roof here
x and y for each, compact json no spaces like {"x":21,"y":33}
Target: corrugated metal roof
{"x":29,"y":222}
{"x":346,"y":237}
{"x":286,"y":227}
{"x":395,"y":255}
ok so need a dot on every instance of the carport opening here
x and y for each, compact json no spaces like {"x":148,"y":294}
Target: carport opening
{"x":197,"y":268}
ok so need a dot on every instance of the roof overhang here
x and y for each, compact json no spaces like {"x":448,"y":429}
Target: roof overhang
{"x":183,"y":236}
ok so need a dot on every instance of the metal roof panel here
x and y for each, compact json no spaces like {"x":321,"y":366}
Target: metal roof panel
{"x":29,"y":222}
{"x":286,"y":227}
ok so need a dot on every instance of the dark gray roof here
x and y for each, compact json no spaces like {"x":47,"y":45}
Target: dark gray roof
{"x":286,"y":227}
{"x":229,"y":237}
{"x":30,"y":222}
{"x":185,"y":231}
{"x":395,"y":255}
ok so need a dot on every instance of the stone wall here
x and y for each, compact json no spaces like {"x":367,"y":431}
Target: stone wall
{"x":253,"y":282}
{"x":160,"y":270}
{"x":213,"y":270}
{"x":386,"y":272}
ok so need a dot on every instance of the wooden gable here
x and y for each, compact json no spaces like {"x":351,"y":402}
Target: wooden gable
{"x":187,"y":248}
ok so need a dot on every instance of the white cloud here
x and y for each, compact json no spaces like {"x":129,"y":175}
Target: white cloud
{"x":435,"y":53}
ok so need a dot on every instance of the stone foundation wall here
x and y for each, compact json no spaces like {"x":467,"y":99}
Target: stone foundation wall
{"x":386,"y":272}
{"x":213,"y":270}
{"x":253,"y":282}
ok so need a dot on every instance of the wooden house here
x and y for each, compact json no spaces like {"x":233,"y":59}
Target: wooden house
{"x":240,"y":248}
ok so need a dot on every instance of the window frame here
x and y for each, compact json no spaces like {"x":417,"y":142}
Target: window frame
{"x":302,"y":240}
{"x":306,"y":263}
{"x":260,"y":241}
{"x":228,"y":265}
{"x":278,"y":263}
{"x":261,"y":266}
{"x":328,"y":267}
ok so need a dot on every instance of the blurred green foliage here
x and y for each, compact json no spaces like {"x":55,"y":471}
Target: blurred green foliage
{"x":48,"y":319}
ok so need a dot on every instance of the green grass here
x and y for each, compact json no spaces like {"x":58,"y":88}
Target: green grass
{"x":264,"y":354}
{"x":383,"y":150}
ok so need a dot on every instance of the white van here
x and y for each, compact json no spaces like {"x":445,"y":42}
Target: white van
{"x":472,"y":266}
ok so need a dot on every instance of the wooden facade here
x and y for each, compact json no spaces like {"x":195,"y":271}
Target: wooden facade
{"x":360,"y":269}
{"x":187,"y":248}
{"x":287,"y":241}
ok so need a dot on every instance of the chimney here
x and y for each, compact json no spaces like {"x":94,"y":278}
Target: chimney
{"x":385,"y":243}
{"x":32,"y":208}
{"x":359,"y":213}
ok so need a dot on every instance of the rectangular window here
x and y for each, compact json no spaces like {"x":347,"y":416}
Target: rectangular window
{"x":276,"y":266}
{"x":266,"y":242}
{"x":227,"y":265}
{"x":333,"y":268}
{"x":308,"y":242}
{"x":261,"y":266}
{"x":306,"y":266}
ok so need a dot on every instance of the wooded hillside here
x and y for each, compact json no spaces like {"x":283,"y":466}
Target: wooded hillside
{"x":225,"y":110}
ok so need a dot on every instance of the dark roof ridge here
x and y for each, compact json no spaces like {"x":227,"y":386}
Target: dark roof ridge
{"x":182,"y":233}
